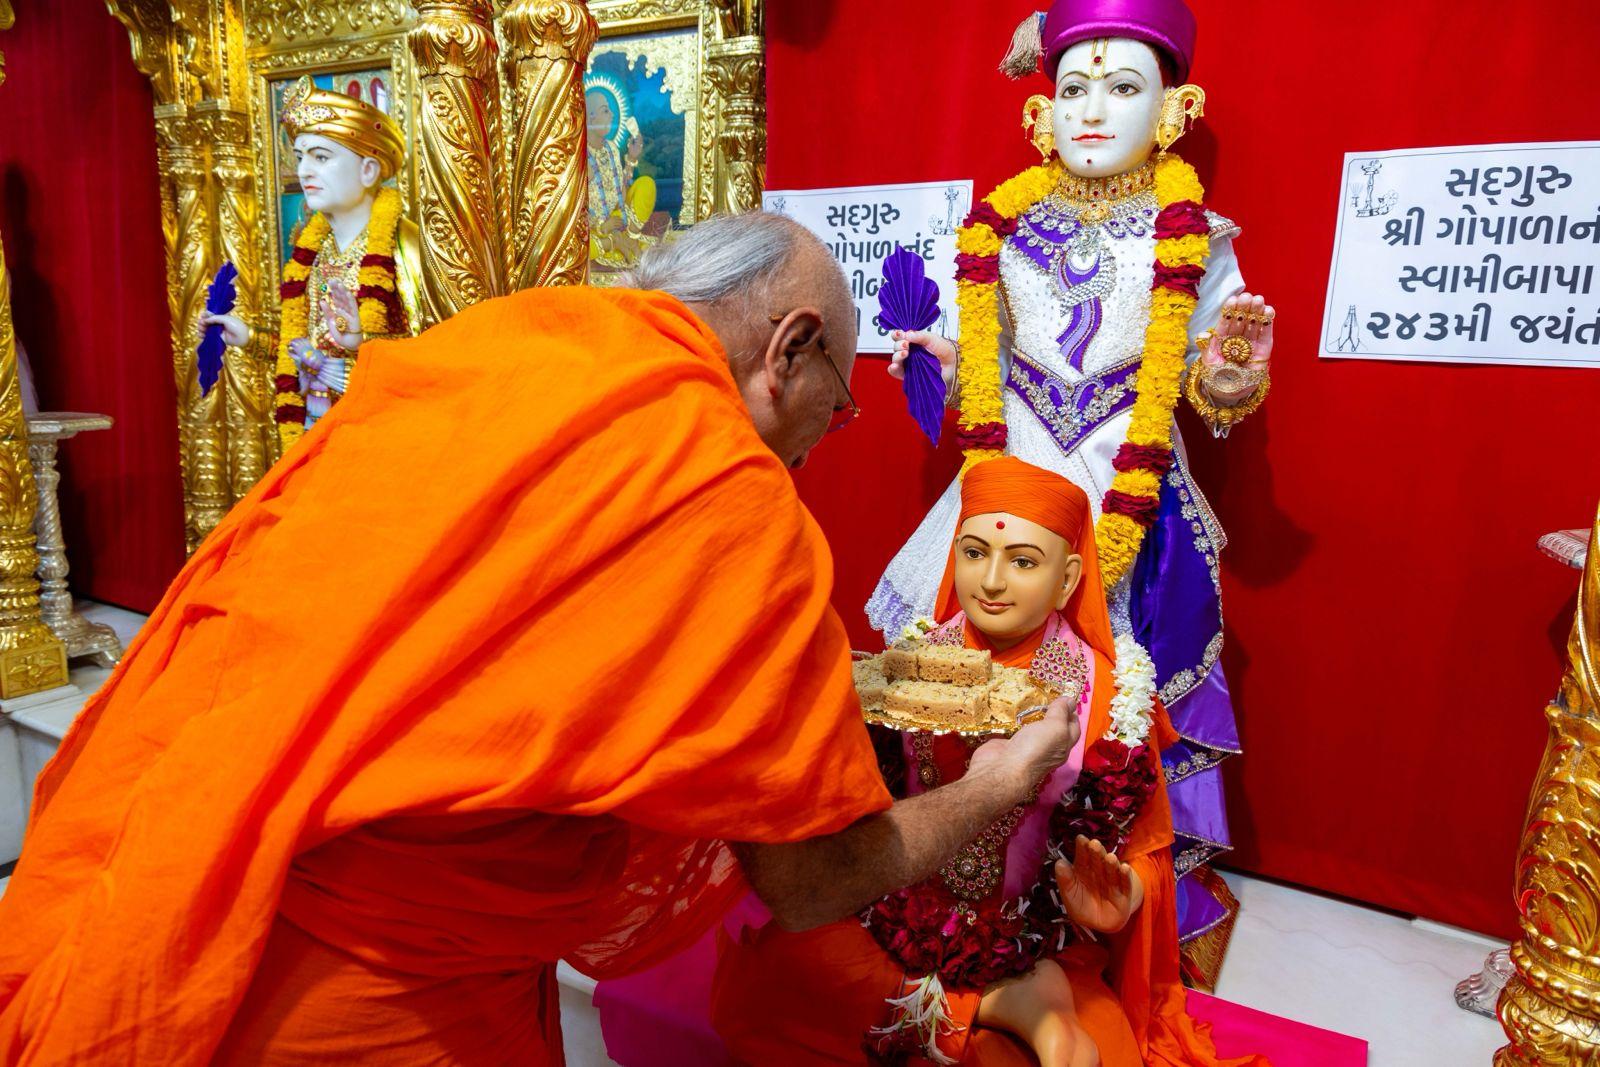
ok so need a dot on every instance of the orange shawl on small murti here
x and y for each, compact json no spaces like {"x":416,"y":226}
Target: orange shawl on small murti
{"x":476,"y":679}
{"x":800,"y":1000}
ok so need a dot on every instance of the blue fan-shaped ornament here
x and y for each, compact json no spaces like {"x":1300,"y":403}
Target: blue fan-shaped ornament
{"x":909,"y":300}
{"x":219,"y":301}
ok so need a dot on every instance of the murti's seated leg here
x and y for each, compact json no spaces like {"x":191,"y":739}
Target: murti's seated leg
{"x":1038,"y":1008}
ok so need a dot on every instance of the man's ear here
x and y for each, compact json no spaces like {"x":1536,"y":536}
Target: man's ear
{"x":1069,"y":582}
{"x":794,"y":335}
{"x":371,"y":172}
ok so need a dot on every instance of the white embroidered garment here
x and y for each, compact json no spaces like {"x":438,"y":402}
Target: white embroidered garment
{"x":1038,"y":323}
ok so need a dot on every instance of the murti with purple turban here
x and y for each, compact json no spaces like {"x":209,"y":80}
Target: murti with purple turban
{"x":1075,"y":283}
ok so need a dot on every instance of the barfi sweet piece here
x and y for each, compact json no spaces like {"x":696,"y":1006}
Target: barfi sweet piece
{"x":900,"y":662}
{"x":957,"y":666}
{"x":1011,"y":691}
{"x":870,"y":682}
{"x":937,"y":702}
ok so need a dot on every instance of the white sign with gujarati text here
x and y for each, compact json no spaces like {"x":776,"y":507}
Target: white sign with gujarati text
{"x":863,"y":224}
{"x":1485,"y":254}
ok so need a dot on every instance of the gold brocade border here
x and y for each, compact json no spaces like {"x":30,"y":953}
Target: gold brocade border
{"x":1203,"y":954}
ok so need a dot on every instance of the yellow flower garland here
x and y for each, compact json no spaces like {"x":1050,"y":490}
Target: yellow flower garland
{"x":978,"y":376}
{"x":295,"y":314}
{"x":1118,"y":537}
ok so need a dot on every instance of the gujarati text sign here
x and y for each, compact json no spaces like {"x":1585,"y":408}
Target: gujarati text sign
{"x":863,"y":224}
{"x":1487,"y":254}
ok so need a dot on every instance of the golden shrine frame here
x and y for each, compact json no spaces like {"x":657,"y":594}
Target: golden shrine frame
{"x":489,"y":95}
{"x":708,"y":57}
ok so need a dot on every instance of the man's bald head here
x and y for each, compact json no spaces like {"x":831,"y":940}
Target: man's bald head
{"x":776,"y":298}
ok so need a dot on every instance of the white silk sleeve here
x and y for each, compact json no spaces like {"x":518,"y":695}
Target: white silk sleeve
{"x":1222,"y":280}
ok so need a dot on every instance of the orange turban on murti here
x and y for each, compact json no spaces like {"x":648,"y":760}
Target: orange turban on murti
{"x":1011,"y":487}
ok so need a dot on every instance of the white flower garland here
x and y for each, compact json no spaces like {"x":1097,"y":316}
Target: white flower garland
{"x":1133,"y":706}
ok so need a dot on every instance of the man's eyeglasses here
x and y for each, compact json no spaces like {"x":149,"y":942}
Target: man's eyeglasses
{"x":849,"y":411}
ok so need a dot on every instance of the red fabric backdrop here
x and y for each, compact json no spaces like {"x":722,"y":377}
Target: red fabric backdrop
{"x":1392,"y":632}
{"x":80,"y":214}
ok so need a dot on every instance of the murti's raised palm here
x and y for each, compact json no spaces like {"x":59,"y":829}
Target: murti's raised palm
{"x":342,"y":315}
{"x":1098,"y":890}
{"x":1240,"y":347}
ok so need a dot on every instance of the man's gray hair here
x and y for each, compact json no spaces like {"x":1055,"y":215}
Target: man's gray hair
{"x":725,"y":257}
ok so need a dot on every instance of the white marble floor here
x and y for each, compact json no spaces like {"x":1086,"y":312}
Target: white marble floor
{"x":1297,"y":954}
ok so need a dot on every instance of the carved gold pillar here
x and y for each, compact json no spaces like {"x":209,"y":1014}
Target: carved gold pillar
{"x":548,"y":45}
{"x":201,"y":427}
{"x":1550,"y":1008}
{"x":32,"y":659}
{"x":245,"y":385}
{"x":6,"y":21}
{"x":456,"y":144}
{"x":736,"y":68}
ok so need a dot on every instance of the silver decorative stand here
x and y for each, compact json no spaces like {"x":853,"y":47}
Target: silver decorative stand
{"x":83,"y":638}
{"x":1481,"y":992}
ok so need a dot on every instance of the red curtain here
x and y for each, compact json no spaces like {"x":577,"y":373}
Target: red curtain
{"x":1392,"y":633}
{"x":81,"y":217}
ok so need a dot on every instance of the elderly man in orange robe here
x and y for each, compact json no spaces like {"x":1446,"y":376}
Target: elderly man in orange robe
{"x":575,"y":637}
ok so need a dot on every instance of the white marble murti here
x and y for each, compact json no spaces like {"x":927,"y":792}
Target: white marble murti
{"x":46,"y":430}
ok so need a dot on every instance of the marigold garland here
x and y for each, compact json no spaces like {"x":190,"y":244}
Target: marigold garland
{"x":382,"y":314}
{"x":1183,"y":242}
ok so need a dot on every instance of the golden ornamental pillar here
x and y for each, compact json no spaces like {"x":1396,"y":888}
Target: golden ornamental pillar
{"x":245,"y":384}
{"x":186,"y":226}
{"x":1550,"y":1008}
{"x":737,"y":70}
{"x":456,"y":144}
{"x":7,"y":18}
{"x":32,"y":659}
{"x":548,"y":45}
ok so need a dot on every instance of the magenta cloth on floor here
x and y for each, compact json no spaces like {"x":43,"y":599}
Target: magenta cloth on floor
{"x":661,"y":1017}
{"x":1239,"y":1031}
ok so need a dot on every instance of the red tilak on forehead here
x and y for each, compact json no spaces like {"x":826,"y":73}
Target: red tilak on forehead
{"x":999,"y":524}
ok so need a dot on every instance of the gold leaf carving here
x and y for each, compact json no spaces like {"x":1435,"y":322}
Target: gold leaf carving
{"x":1550,"y":1008}
{"x":297,"y":21}
{"x":549,"y":42}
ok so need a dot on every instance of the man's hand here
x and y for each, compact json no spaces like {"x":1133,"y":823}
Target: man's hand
{"x":1026,"y":757}
{"x":823,"y":879}
{"x":1098,"y":890}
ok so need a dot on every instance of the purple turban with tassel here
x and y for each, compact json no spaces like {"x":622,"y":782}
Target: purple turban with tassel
{"x":1166,"y":25}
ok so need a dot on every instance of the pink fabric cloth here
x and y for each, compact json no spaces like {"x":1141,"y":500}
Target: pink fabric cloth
{"x":1240,"y":1031}
{"x":1025,"y":850}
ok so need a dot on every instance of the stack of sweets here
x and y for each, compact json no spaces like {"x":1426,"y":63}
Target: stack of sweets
{"x":944,"y":686}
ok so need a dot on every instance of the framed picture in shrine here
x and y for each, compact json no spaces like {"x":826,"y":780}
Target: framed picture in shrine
{"x":652,"y":100}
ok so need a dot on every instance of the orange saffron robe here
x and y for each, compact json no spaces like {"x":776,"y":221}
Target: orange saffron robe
{"x":476,"y":679}
{"x":797,"y":1000}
